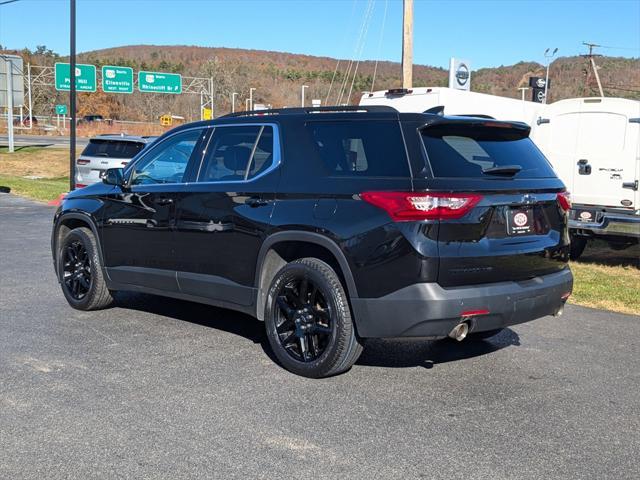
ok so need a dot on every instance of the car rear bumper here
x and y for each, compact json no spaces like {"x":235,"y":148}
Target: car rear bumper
{"x":429,"y":310}
{"x":609,"y":223}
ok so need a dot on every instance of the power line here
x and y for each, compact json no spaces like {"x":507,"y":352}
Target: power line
{"x":384,"y":20}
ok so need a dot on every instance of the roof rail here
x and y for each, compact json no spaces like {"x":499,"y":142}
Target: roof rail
{"x":303,"y":110}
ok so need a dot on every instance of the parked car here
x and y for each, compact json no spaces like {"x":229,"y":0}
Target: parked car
{"x":26,"y":121}
{"x":332,"y":225}
{"x":104,"y":152}
{"x":90,"y":119}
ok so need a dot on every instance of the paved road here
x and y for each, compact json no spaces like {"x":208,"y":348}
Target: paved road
{"x":159,"y":388}
{"x":41,"y":140}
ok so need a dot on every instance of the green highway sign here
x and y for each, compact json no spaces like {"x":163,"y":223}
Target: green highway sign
{"x":61,"y":109}
{"x":158,"y":82}
{"x":85,"y":77}
{"x":117,"y":79}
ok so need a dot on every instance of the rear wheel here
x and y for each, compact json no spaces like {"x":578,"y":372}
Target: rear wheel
{"x":80,"y":271}
{"x":308,"y":320}
{"x":578,"y":244}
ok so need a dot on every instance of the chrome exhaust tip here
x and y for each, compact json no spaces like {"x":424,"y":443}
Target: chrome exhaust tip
{"x":560,"y":311}
{"x":460,"y":331}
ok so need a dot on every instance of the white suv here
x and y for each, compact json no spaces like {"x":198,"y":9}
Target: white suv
{"x":107,"y":151}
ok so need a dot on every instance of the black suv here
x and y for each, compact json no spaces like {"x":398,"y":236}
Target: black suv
{"x":332,"y":225}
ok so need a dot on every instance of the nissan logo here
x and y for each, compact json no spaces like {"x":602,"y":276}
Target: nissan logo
{"x":462,"y":75}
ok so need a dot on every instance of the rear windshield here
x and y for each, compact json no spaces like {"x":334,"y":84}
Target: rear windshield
{"x":467,"y":152}
{"x":361,"y":149}
{"x":112,"y":148}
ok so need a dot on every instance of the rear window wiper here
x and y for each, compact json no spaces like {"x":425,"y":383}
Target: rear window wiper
{"x":502,"y":170}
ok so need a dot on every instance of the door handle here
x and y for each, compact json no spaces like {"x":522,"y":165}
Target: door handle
{"x":163,"y":201}
{"x":255,"y":202}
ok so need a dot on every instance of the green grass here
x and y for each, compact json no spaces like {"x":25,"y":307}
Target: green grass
{"x":42,"y":189}
{"x":607,"y":279}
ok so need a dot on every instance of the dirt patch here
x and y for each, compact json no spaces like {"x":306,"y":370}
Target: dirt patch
{"x":35,"y":162}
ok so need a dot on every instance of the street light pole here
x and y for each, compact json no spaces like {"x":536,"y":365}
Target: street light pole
{"x":251,"y":97}
{"x":302,"y":94}
{"x":72,"y":95}
{"x":548,"y":56}
{"x":233,"y":101}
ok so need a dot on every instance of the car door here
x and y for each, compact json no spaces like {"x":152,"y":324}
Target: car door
{"x":139,"y":219}
{"x":604,"y":159}
{"x":223,"y":217}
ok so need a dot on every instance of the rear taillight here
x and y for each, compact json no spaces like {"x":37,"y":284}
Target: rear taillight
{"x":82,"y":161}
{"x":564,"y":200}
{"x":80,"y":185}
{"x":415,"y":206}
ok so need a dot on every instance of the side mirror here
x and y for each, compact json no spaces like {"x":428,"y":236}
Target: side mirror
{"x":113,"y":176}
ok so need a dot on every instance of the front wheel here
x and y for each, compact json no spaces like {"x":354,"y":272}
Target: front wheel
{"x":80,"y":271}
{"x":308,"y":320}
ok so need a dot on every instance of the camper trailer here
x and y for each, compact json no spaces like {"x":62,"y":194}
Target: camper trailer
{"x":592,"y":143}
{"x":594,"y":146}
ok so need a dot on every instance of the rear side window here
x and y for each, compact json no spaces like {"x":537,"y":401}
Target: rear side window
{"x":471,"y":152}
{"x":359,"y":148}
{"x":112,"y":148}
{"x":237,"y":153}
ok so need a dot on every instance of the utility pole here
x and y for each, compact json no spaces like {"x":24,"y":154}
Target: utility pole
{"x":593,"y":69}
{"x":407,"y":44}
{"x":72,"y":95}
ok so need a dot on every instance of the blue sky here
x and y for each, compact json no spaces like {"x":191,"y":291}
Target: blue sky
{"x":488,"y":33}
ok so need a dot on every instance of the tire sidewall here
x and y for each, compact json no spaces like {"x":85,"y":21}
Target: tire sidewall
{"x":83,"y":237}
{"x":325,"y":362}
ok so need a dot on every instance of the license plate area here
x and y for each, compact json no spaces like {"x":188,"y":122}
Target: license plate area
{"x":519,"y":221}
{"x":585,"y":215}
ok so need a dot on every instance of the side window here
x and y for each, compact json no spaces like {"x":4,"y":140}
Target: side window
{"x":237,"y":153}
{"x":167,"y":161}
{"x":373,"y":149}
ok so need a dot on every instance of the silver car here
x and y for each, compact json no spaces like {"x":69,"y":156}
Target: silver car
{"x":107,"y":151}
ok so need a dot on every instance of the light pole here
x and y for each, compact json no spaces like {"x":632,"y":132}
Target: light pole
{"x":523,"y":90}
{"x":302,"y":94}
{"x":548,"y":56}
{"x":233,"y":101}
{"x":251,"y":97}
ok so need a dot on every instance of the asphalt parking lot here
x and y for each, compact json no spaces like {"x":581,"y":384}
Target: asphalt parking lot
{"x":161,"y":388}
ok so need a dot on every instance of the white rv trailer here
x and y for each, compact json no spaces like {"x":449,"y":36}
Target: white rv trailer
{"x":456,"y":102}
{"x":592,"y":143}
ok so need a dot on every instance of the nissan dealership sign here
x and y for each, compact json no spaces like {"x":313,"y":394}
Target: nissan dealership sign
{"x":459,"y":74}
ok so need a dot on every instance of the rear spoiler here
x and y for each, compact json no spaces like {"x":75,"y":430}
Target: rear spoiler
{"x":518,"y":128}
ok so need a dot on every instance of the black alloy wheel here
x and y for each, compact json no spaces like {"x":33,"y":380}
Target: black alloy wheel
{"x":308,"y":320}
{"x":76,"y":273}
{"x":303,"y":321}
{"x":79,"y":270}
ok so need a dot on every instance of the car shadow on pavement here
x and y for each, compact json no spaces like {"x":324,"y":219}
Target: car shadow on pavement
{"x":403,"y":353}
{"x":198,"y":313}
{"x":396,"y":353}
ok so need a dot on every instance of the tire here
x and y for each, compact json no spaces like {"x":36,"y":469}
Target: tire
{"x":578,"y":244}
{"x":310,"y":328}
{"x":485,"y":334}
{"x":82,"y":282}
